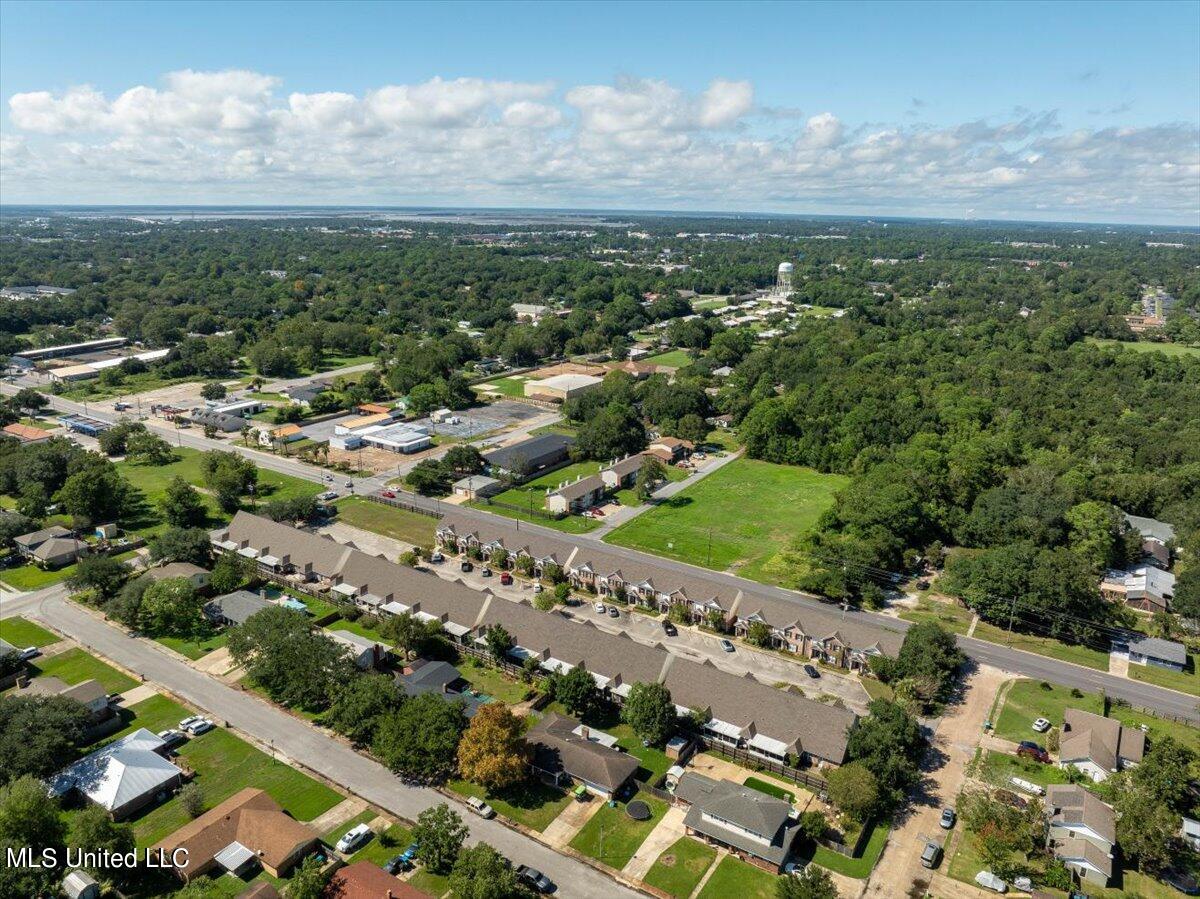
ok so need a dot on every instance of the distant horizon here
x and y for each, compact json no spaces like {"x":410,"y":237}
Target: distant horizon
{"x":161,"y":208}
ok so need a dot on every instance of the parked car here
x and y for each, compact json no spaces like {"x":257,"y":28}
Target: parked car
{"x":349,"y":485}
{"x":388,"y":494}
{"x":396,"y":864}
{"x":990,"y":881}
{"x":466,"y":566}
{"x":354,"y":837}
{"x":931,"y":855}
{"x":172,"y":737}
{"x":485,"y":571}
{"x":436,"y":556}
{"x":327,"y":495}
{"x":187,"y":722}
{"x":600,"y":607}
{"x":1041,"y":725}
{"x":669,"y":628}
{"x":727,"y":646}
{"x":1031,"y":750}
{"x":948,"y":818}
{"x":811,"y":671}
{"x":203,"y":726}
{"x":479,"y":807}
{"x":535,"y":878}
{"x":30,"y":652}
{"x":538,"y":588}
{"x":505,"y":578}
{"x":614,"y":612}
{"x":408,"y":856}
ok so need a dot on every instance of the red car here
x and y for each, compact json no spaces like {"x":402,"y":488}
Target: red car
{"x":1030,"y":750}
{"x":505,"y":578}
{"x":388,"y":494}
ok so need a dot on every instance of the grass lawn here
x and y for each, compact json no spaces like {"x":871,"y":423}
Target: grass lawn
{"x":1146,"y":346}
{"x":511,"y":386}
{"x":532,"y":803}
{"x":318,"y":608}
{"x":75,"y":666}
{"x":770,"y":789}
{"x":877,"y":689}
{"x":225,"y":764}
{"x":673,"y":359}
{"x":399,"y":524}
{"x":354,"y":627}
{"x":489,"y":681}
{"x":734,"y":877}
{"x":998,"y":768}
{"x":22,"y":632}
{"x":951,"y":616}
{"x":1186,"y":681}
{"x":654,"y":762}
{"x":612,"y":837}
{"x":155,"y":714}
{"x":736,"y":518}
{"x":391,"y":842}
{"x":1027,"y":701}
{"x":1043,"y":646}
{"x":680,"y":868}
{"x":430,"y":884}
{"x":571,"y":524}
{"x":30,"y":577}
{"x":860,"y":866}
{"x":1159,"y":727}
{"x":194,"y":647}
{"x":535,"y":490}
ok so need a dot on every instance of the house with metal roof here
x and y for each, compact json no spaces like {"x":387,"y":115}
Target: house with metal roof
{"x":122,"y":777}
{"x":756,"y":827}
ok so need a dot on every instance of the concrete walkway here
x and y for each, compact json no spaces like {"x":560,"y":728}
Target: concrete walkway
{"x":343,"y":811}
{"x":136,"y":694}
{"x":662,"y":838}
{"x":1118,"y":664}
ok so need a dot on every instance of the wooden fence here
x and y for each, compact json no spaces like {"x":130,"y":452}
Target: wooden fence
{"x":752,"y":761}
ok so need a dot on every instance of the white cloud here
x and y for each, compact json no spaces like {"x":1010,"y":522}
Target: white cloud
{"x":226,"y":136}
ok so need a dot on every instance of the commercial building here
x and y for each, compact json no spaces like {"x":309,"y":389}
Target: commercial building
{"x":531,"y":457}
{"x":560,"y":388}
{"x":30,"y":358}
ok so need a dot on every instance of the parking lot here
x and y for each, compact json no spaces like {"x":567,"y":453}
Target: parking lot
{"x":502,"y":415}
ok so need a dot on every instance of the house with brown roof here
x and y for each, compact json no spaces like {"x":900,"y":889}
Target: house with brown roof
{"x":565,"y":751}
{"x":576,"y":496}
{"x":622,"y":472}
{"x":675,"y":446}
{"x":1098,"y":746}
{"x":247,"y":827}
{"x":26,"y":433}
{"x":196,"y":575}
{"x":1081,"y":831}
{"x":366,"y":880}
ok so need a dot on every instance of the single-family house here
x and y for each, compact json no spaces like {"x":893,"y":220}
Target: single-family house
{"x":79,"y":884}
{"x":364,"y":652}
{"x":1081,"y":831}
{"x":675,"y":447}
{"x":26,"y":433}
{"x":565,"y":751}
{"x":723,"y":371}
{"x":477,"y":485}
{"x":122,"y":777}
{"x":288,"y":433}
{"x":1190,"y":832}
{"x":754,"y":826}
{"x":232,"y":609}
{"x":196,"y":575}
{"x":89,"y":693}
{"x":1155,"y":651}
{"x":366,"y":880}
{"x":1098,"y":746}
{"x":304,"y":394}
{"x":51,"y":547}
{"x":247,"y":827}
{"x":440,"y":678}
{"x":1145,"y":588}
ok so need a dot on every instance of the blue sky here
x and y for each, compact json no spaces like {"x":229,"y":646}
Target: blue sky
{"x":1076,"y":111}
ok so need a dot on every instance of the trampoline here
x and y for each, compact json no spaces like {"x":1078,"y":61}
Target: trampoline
{"x":638,"y":810}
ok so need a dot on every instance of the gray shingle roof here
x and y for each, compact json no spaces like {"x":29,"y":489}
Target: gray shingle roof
{"x":237,"y":606}
{"x":744,"y":809}
{"x":556,"y":748}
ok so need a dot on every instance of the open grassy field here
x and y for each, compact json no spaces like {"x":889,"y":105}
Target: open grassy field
{"x":734,"y":877}
{"x":679,"y":868}
{"x":1146,"y":346}
{"x":535,"y":490}
{"x":738,"y":518}
{"x":1027,"y":701}
{"x":22,"y":632}
{"x":531,"y":802}
{"x":510,"y":386}
{"x":673,"y":359}
{"x":612,"y":837}
{"x":75,"y":666}
{"x":1158,"y":727}
{"x":1186,"y":681}
{"x":399,"y":524}
{"x":225,"y":764}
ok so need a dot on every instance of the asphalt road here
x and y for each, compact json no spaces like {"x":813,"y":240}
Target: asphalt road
{"x":300,"y":741}
{"x":1169,"y":702}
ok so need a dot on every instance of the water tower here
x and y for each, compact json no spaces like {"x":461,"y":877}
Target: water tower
{"x":783,"y":280}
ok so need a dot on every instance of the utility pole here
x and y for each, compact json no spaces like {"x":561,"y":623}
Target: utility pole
{"x":1012,"y":613}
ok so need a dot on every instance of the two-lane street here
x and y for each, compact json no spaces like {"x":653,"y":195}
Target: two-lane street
{"x":297,"y":739}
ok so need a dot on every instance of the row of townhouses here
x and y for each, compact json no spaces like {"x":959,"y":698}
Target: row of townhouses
{"x":742,"y":712}
{"x":805,"y":631}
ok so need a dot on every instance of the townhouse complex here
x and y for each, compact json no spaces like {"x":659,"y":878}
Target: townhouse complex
{"x":740,"y":712}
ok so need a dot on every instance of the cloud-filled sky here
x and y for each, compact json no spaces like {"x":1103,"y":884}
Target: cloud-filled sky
{"x":1067,"y":112}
